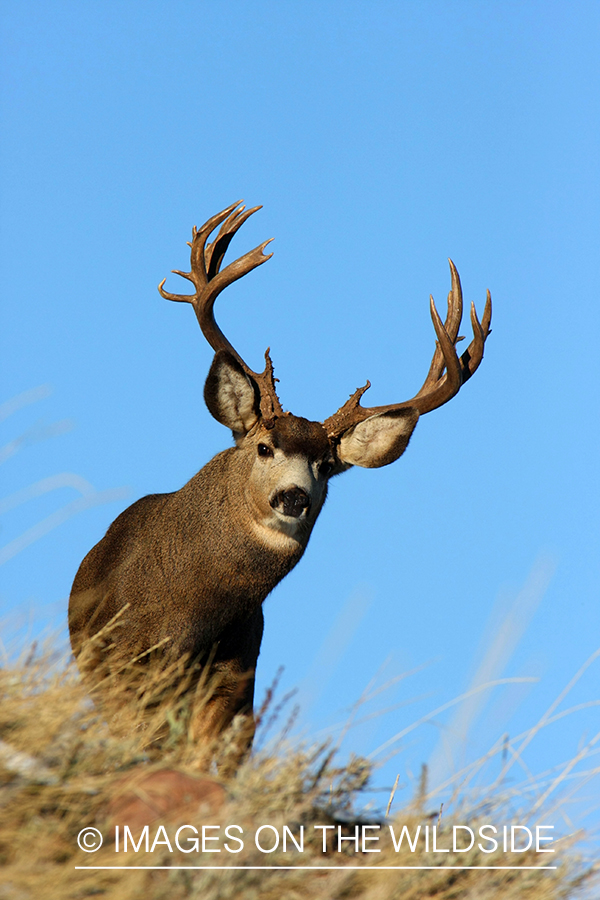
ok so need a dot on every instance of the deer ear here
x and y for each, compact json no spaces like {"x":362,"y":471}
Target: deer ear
{"x":231,"y":397}
{"x":379,"y":440}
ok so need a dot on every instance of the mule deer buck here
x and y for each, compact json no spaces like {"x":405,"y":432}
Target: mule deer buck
{"x":187,"y":572}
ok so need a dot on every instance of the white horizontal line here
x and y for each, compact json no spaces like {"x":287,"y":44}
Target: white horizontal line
{"x":325,"y":868}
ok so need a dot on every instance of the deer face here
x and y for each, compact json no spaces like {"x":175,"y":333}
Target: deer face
{"x":287,"y":485}
{"x":288,"y":460}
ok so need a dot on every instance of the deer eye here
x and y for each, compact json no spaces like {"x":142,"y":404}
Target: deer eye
{"x":264,"y":451}
{"x":326,"y":468}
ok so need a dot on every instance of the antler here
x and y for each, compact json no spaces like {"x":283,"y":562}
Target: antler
{"x":209,"y":281}
{"x":438,"y":387}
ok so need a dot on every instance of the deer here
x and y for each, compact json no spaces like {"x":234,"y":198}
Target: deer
{"x":186,"y":573}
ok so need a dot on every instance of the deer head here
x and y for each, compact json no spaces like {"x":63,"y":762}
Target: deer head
{"x":293,"y":458}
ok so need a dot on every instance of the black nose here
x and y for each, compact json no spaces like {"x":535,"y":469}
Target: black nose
{"x":292,"y":502}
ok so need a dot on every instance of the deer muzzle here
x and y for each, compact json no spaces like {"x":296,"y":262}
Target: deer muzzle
{"x":291,"y":502}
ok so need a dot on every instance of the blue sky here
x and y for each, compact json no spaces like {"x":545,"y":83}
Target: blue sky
{"x":381,"y":138}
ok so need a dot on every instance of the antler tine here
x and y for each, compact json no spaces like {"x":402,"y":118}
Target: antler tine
{"x":198,"y":274}
{"x":474,"y":353}
{"x":209,"y":280}
{"x":452,"y":324}
{"x":438,"y":388}
{"x":448,"y":385}
{"x":215,"y":251}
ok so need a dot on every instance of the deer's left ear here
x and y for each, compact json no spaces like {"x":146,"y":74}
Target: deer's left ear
{"x":379,"y":440}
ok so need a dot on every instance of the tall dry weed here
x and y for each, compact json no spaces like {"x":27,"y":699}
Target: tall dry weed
{"x":63,"y":770}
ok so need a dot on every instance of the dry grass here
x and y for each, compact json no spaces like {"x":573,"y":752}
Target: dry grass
{"x":61,"y":770}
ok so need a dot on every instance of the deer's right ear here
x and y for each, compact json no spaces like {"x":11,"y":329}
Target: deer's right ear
{"x":231,"y":397}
